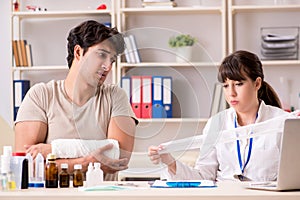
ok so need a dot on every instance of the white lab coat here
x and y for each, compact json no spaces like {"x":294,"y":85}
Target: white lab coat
{"x":221,"y":161}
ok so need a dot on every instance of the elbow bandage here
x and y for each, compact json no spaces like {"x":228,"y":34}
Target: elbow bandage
{"x":75,"y":148}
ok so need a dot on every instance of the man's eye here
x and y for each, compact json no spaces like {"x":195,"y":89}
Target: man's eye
{"x":225,"y":86}
{"x":102,"y":55}
{"x":239,"y":84}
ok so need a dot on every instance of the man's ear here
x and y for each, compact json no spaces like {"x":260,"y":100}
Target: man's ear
{"x":77,"y":52}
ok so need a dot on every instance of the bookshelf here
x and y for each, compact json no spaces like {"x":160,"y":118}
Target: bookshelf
{"x":260,"y":14}
{"x":158,"y":24}
{"x":193,"y":81}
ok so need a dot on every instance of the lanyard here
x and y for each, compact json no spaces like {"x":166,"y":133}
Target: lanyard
{"x":239,"y":149}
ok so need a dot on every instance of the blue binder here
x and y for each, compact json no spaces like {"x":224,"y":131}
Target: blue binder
{"x":126,"y":85}
{"x":20,"y":88}
{"x":167,"y":97}
{"x":157,"y":97}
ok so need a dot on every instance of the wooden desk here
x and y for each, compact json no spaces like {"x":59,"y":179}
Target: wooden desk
{"x":225,"y":191}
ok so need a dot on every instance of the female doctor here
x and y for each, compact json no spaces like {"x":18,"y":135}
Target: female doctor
{"x":251,"y":100}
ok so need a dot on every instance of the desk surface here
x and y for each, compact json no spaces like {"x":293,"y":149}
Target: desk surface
{"x":224,"y":191}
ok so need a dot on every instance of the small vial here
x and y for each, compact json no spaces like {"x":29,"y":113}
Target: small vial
{"x":64,"y":176}
{"x":98,"y":173}
{"x":30,"y":167}
{"x":51,"y":172}
{"x":90,"y":176}
{"x":39,"y":168}
{"x":77,"y":176}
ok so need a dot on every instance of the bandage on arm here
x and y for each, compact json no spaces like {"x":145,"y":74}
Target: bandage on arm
{"x":75,"y":148}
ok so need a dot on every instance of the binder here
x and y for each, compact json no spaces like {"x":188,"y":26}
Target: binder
{"x":129,"y":55}
{"x":23,"y":50}
{"x":157,"y":95}
{"x":135,"y":50}
{"x":146,"y":96}
{"x":136,"y":87}
{"x":20,"y":88}
{"x":126,"y":85}
{"x":15,"y":52}
{"x":167,"y":97}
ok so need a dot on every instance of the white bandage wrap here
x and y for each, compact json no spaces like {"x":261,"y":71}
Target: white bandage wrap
{"x":271,"y":126}
{"x":75,"y":148}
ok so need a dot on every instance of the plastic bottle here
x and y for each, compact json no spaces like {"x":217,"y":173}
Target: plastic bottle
{"x":98,"y":173}
{"x":7,"y":177}
{"x":51,"y":172}
{"x":19,"y":167}
{"x":90,"y":176}
{"x":64,"y":176}
{"x":39,"y":168}
{"x":30,"y":167}
{"x":77,"y":176}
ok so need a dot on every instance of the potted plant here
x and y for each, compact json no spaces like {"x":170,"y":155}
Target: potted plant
{"x":183,"y":44}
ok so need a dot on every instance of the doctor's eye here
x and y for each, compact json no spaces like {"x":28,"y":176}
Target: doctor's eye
{"x":225,"y":85}
{"x":239,"y":84}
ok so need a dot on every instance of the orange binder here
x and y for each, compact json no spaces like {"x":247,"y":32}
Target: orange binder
{"x":15,"y":52}
{"x":146,"y":96}
{"x":136,"y":95}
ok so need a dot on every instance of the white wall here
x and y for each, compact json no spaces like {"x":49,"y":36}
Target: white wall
{"x":5,"y":62}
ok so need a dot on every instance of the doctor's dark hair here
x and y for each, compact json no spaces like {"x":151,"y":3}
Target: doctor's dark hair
{"x":241,"y":64}
{"x":90,"y":33}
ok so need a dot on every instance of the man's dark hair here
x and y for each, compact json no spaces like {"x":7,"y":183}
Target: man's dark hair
{"x":90,"y":33}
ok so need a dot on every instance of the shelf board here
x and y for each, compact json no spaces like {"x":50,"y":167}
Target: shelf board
{"x":49,"y":14}
{"x":40,"y":68}
{"x":174,"y":120}
{"x":169,"y":64}
{"x":280,"y":63}
{"x":177,"y":10}
{"x":263,"y":8}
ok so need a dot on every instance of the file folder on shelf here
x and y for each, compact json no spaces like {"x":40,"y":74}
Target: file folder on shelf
{"x":126,"y":85}
{"x":146,"y":97}
{"x":157,"y":95}
{"x":136,"y":96}
{"x":20,"y":88}
{"x":167,"y":97}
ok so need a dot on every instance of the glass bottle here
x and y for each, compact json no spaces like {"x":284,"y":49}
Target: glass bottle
{"x":51,"y":172}
{"x":64,"y":176}
{"x":77,"y":176}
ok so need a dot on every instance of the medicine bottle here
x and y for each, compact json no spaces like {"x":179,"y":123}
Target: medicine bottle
{"x":77,"y":176}
{"x":39,"y":168}
{"x":90,"y":176}
{"x":98,"y":173}
{"x":51,"y":172}
{"x":64,"y":176}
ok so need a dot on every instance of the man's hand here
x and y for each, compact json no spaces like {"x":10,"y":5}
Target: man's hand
{"x":156,"y":158}
{"x":42,"y":148}
{"x":109,"y":165}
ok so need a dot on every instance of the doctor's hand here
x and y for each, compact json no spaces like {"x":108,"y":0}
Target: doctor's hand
{"x":42,"y":148}
{"x":156,"y":158}
{"x":109,"y":165}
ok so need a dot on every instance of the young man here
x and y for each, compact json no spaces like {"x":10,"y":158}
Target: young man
{"x":81,"y":106}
